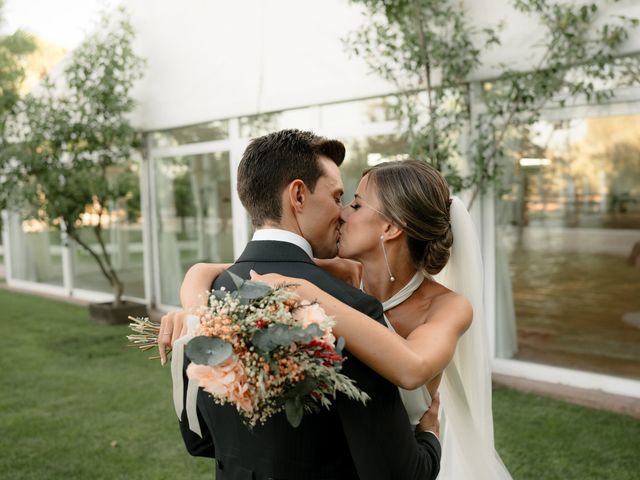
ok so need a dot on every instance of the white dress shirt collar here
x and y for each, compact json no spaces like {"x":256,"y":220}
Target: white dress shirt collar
{"x":280,"y":235}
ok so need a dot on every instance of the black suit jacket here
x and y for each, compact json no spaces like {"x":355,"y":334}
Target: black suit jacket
{"x":349,"y":441}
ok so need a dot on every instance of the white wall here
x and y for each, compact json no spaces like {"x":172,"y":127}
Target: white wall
{"x":213,"y":59}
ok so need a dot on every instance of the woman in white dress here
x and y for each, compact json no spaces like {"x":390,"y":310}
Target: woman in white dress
{"x":415,"y":249}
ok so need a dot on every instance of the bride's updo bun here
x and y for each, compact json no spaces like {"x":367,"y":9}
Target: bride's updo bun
{"x":415,"y":196}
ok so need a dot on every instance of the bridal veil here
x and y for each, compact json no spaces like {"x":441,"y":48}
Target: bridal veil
{"x":465,"y":390}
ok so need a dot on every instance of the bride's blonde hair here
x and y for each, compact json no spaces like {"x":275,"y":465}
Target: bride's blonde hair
{"x":415,"y":196}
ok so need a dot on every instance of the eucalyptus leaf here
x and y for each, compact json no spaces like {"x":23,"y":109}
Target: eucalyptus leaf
{"x":282,"y":335}
{"x":294,"y":411}
{"x":251,"y":291}
{"x":239,"y":281}
{"x":210,"y":351}
{"x":340,"y":345}
{"x":219,"y":294}
{"x":302,"y":388}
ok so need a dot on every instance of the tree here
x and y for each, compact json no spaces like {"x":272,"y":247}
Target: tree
{"x":69,"y":144}
{"x":429,"y":49}
{"x":12,"y":49}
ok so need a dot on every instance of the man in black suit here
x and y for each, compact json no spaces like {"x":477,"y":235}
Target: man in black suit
{"x":290,"y":184}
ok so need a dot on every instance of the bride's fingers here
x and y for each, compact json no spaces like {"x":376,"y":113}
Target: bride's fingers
{"x":179,"y":320}
{"x":164,"y":336}
{"x":429,"y":421}
{"x":270,"y":278}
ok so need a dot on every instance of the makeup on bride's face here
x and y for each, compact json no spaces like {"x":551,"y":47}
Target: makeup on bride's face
{"x":359,"y":232}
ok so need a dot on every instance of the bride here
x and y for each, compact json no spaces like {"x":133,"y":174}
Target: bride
{"x":415,"y":250}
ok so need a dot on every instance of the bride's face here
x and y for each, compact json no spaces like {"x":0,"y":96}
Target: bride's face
{"x":363,"y":223}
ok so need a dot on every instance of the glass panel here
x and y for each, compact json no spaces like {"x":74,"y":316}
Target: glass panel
{"x":122,"y":236}
{"x":364,"y":152}
{"x":36,"y":252}
{"x":335,"y":117}
{"x":257,"y":125}
{"x":123,"y":241}
{"x":204,"y":132}
{"x":343,"y":116}
{"x":193,"y":198}
{"x":568,"y":247}
{"x":301,"y":118}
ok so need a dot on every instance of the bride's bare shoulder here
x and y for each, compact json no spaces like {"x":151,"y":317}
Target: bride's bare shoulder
{"x":446,"y":304}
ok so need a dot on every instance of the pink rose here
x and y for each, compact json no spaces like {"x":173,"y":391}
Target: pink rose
{"x":226,"y":381}
{"x":310,"y":314}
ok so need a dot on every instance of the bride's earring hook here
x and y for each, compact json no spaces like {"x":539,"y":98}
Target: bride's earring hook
{"x":386,"y":260}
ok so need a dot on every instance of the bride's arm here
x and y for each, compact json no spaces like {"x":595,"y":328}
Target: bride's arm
{"x":193,"y":293}
{"x":197,"y":283}
{"x":408,"y":363}
{"x":348,"y":271}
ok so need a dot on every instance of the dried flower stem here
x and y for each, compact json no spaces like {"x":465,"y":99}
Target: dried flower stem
{"x":146,"y":336}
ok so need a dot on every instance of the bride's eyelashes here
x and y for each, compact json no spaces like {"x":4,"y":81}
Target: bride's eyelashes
{"x":355,"y":206}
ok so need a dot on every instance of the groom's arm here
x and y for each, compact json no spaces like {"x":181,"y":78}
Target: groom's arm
{"x":381,"y":440}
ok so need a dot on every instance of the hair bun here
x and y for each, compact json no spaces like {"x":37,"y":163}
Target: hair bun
{"x":437,"y":252}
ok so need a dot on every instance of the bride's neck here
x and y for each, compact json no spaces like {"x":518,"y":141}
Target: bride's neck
{"x":376,"y":279}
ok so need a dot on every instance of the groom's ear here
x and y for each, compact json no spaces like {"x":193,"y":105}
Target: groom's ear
{"x":297,"y":193}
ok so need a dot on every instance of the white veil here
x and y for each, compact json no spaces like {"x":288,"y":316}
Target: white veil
{"x":466,"y":417}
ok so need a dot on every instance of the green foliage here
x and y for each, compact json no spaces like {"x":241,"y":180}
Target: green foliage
{"x":428,"y":49}
{"x":12,"y":49}
{"x":279,"y":335}
{"x":209,"y":351}
{"x":69,"y":145}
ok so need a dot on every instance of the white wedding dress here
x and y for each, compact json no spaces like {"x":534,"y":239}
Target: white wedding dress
{"x":466,"y":419}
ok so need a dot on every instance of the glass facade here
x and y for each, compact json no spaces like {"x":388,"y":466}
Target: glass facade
{"x":123,"y":241}
{"x":204,"y":132}
{"x":193,"y":216}
{"x":568,"y":247}
{"x":567,"y":232}
{"x":36,"y":252}
{"x":121,"y":232}
{"x":364,"y":152}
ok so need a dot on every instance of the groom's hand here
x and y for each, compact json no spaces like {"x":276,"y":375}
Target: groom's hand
{"x":429,"y":421}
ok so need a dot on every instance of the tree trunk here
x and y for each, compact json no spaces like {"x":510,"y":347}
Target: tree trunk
{"x":104,"y":264}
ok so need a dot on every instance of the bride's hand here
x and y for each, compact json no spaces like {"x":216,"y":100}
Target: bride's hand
{"x":348,"y":271}
{"x":173,"y":325}
{"x":274,"y":279}
{"x":429,"y":421}
{"x":302,"y":287}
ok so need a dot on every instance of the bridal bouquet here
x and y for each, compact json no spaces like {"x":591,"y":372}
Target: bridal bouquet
{"x":263,"y":350}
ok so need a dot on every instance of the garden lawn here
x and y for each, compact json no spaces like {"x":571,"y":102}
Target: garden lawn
{"x":71,"y":389}
{"x":76,"y":403}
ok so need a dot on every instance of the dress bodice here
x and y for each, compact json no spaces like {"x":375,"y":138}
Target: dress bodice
{"x":416,"y":401}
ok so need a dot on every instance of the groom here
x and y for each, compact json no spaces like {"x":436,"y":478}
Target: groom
{"x":290,"y":184}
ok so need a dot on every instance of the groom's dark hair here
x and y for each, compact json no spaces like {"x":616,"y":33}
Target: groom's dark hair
{"x":273,"y":161}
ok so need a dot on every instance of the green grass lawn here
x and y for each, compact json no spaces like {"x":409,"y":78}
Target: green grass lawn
{"x":70,"y":388}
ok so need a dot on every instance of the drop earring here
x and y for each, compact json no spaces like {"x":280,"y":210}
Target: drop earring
{"x":386,"y":260}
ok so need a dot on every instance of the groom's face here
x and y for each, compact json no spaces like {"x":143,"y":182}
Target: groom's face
{"x":320,"y":223}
